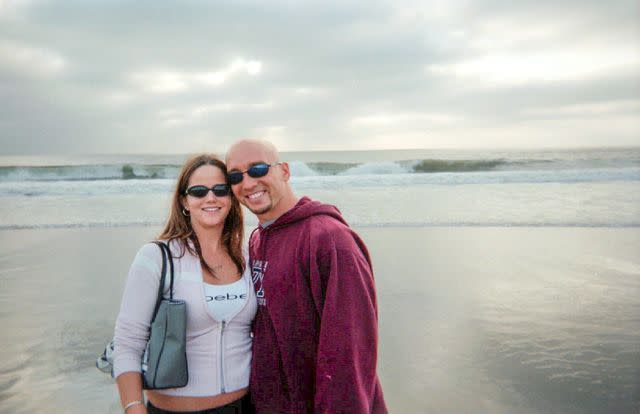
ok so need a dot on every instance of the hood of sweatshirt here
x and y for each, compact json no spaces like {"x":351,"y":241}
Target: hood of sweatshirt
{"x":305,"y":207}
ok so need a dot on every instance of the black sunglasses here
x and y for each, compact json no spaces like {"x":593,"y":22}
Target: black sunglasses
{"x":199,"y":191}
{"x":255,"y":171}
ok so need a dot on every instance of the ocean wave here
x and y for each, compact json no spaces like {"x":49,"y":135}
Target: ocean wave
{"x":364,"y":178}
{"x":398,"y":167}
{"x":301,"y":169}
{"x":457,"y":165}
{"x":88,"y":172}
{"x":424,"y":166}
{"x":379,"y":168}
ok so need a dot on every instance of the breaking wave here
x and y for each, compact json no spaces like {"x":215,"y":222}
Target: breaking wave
{"x":131,"y":171}
{"x":88,"y":172}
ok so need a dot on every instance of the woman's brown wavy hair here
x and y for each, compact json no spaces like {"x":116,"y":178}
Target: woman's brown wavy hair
{"x":178,"y":225}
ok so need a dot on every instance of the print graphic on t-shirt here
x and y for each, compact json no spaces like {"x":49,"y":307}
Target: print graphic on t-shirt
{"x":227,"y":296}
{"x":258,"y":268}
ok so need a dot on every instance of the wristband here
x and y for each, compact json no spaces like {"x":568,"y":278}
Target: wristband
{"x":131,"y":404}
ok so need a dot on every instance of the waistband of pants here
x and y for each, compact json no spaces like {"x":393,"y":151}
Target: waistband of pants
{"x":239,"y":406}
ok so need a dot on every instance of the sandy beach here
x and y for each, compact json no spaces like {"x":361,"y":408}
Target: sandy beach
{"x":484,"y":320}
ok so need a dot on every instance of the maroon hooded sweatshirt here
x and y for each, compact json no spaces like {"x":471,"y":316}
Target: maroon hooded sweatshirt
{"x":316,"y":329}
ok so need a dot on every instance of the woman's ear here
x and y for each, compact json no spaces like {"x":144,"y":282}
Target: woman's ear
{"x":183,"y":203}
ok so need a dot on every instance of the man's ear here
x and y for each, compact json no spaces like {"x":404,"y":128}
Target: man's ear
{"x":285,"y":170}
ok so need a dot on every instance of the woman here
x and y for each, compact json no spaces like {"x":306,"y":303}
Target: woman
{"x":204,"y":232}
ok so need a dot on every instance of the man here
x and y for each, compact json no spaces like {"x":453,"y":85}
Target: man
{"x":315,"y":332}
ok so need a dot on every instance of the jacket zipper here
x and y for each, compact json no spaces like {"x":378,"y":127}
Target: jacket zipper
{"x":222,"y":359}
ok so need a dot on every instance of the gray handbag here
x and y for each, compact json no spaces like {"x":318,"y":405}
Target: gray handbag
{"x":164,"y":364}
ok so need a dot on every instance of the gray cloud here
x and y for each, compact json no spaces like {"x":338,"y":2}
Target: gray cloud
{"x":105,"y":76}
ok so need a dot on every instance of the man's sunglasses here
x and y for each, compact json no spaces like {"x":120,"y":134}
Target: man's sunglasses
{"x":200,"y":191}
{"x":255,"y":171}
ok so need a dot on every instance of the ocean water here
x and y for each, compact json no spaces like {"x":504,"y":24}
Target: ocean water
{"x":596,"y":187}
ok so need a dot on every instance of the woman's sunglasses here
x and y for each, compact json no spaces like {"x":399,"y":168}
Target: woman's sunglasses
{"x":200,"y":191}
{"x":255,"y":171}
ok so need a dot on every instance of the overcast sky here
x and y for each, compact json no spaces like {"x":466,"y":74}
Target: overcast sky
{"x":180,"y":76}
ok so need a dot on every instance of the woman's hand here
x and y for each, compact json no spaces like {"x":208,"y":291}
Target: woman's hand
{"x":130,"y":388}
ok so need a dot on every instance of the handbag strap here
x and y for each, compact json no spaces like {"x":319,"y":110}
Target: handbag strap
{"x":166,"y":256}
{"x":170,"y":260}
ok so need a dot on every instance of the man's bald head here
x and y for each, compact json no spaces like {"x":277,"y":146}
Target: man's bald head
{"x":268,"y":151}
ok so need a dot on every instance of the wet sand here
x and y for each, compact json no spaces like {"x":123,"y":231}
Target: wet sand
{"x":472,"y":319}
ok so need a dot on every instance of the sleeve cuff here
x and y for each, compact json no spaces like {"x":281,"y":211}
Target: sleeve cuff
{"x":120,"y":366}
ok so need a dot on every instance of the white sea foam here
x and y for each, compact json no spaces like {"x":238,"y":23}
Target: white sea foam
{"x":378,"y":168}
{"x":85,"y":188}
{"x":301,"y":169}
{"x":87,"y":172}
{"x":590,"y":204}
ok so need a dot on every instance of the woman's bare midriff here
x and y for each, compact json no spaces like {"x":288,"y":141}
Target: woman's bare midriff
{"x":171,"y":403}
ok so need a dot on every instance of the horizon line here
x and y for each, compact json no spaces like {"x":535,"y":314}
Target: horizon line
{"x":526,"y":149}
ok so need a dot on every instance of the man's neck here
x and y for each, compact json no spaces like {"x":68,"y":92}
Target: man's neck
{"x":284,"y":206}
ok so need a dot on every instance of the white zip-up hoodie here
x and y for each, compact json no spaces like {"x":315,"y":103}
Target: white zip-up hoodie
{"x":213,"y":369}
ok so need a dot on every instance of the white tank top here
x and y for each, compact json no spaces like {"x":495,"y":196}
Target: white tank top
{"x":223,"y":301}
